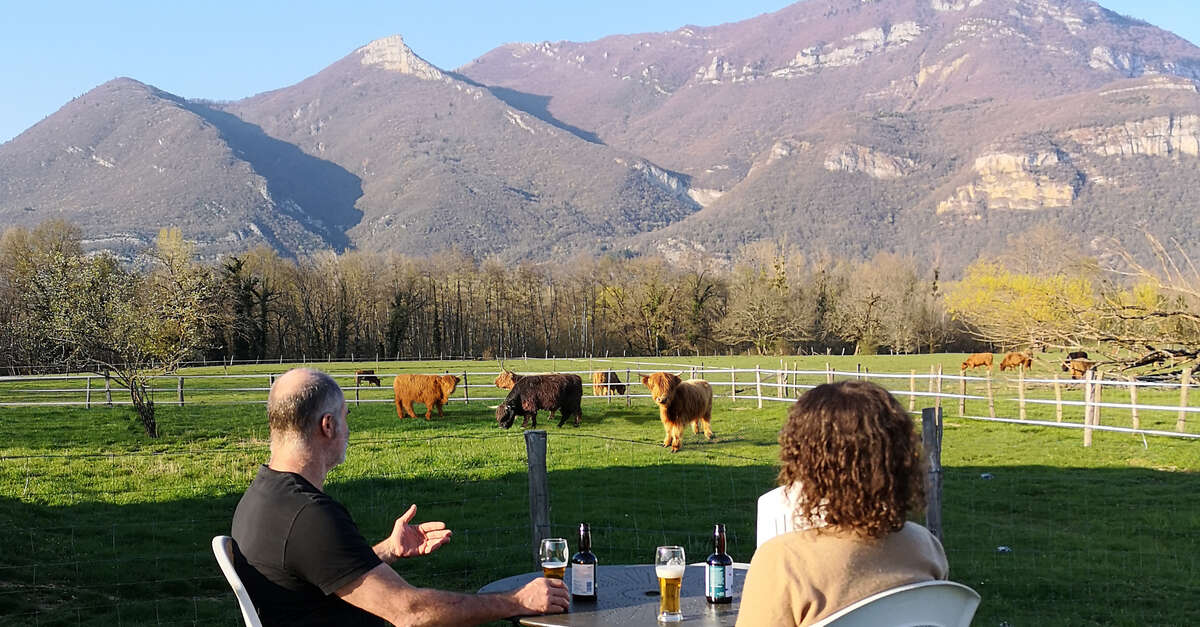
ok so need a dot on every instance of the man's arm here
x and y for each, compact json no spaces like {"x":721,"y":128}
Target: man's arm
{"x":384,"y":593}
{"x":409,"y":541}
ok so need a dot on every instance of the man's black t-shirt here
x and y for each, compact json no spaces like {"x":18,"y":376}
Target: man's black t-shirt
{"x":300,"y":546}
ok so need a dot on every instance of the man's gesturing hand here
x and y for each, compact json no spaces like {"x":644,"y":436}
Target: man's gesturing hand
{"x":409,"y":540}
{"x":543,"y":596}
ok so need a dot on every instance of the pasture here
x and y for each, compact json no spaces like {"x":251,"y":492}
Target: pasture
{"x":107,"y":527}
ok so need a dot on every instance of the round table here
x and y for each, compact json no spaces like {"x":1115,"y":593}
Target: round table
{"x":627,"y":595}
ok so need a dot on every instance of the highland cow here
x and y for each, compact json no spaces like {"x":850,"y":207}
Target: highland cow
{"x":367,"y":376}
{"x":605,"y":383}
{"x":531,"y":393}
{"x":1015,"y":361}
{"x":431,"y":390}
{"x":976,"y":360}
{"x":680,"y":402}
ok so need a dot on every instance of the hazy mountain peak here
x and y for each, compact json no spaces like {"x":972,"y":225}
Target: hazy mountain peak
{"x":392,"y":54}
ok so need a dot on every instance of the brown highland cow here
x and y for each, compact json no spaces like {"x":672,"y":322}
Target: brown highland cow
{"x":432,"y":390}
{"x":680,"y":402}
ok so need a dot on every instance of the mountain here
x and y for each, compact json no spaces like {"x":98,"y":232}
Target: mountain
{"x":933,"y":127}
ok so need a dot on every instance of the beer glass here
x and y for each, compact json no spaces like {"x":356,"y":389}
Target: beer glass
{"x":553,"y":554}
{"x":669,"y":564}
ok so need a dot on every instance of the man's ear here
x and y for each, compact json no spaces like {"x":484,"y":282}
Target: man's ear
{"x":328,"y":425}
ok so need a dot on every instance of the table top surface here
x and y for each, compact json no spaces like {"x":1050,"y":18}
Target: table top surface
{"x":628,"y":595}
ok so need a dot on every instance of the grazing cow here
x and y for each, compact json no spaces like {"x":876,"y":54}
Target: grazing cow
{"x":1078,"y":367}
{"x":552,"y":392}
{"x":680,"y":402}
{"x":606,"y":382}
{"x":366,"y":375}
{"x":507,"y":379}
{"x":977,"y":360}
{"x":432,"y":390}
{"x":1015,"y":361}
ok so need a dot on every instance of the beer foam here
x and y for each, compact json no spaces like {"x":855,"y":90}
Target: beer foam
{"x":670,"y":571}
{"x":554,"y":564}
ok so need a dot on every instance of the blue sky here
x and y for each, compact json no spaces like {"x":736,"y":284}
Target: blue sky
{"x":52,"y":51}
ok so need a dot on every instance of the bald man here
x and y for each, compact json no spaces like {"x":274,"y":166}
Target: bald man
{"x":303,"y":559}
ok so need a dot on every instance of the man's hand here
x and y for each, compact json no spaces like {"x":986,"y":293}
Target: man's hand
{"x":543,"y":596}
{"x":408,"y":541}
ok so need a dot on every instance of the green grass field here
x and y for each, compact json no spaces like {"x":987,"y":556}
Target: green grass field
{"x":107,"y":527}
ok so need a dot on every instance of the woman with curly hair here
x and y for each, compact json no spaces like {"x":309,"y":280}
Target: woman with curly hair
{"x":852,"y":463}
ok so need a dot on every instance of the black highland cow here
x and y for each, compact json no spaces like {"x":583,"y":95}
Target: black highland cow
{"x":552,"y":392}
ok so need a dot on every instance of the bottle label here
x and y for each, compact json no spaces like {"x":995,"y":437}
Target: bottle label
{"x":717,"y":581}
{"x":583,"y":579}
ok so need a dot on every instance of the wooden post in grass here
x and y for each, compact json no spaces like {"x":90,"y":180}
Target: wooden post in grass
{"x":937,"y":400}
{"x":991,"y":397}
{"x":466,"y":389}
{"x":758,"y":384}
{"x":628,"y":384}
{"x":1088,"y":390}
{"x":107,"y":389}
{"x":539,"y":490}
{"x":1097,"y":399}
{"x":828,"y":373}
{"x":1057,"y":399}
{"x":179,"y":389}
{"x":1185,"y":381}
{"x":962,"y":393}
{"x":87,"y":394}
{"x":779,"y":381}
{"x":931,"y":437}
{"x":732,"y":384}
{"x":912,"y":390}
{"x":1133,"y":413}
{"x":932,"y":372}
{"x":356,"y":391}
{"x":1021,"y":392}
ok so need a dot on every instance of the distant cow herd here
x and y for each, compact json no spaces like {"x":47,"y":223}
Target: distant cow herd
{"x":1076,"y":363}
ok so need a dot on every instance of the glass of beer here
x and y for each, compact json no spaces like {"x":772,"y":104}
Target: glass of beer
{"x":554,"y":557}
{"x":669,"y":564}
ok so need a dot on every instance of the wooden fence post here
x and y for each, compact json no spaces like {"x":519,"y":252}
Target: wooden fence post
{"x":1133,"y":410}
{"x":87,"y":394}
{"x":179,"y":388}
{"x":1057,"y":399}
{"x":107,"y":389}
{"x":1185,"y":381}
{"x":758,"y":384}
{"x":991,"y":396}
{"x":628,"y":384}
{"x":937,"y":400}
{"x":1021,"y":392}
{"x":912,"y":390}
{"x":732,"y":384}
{"x":932,"y":372}
{"x":962,"y":393}
{"x":466,"y":389}
{"x":356,"y":391}
{"x":828,"y":373}
{"x":779,"y":380}
{"x":539,"y":490}
{"x":1087,"y":407}
{"x":931,"y":437}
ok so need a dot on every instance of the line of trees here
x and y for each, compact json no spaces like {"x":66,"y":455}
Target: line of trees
{"x":62,"y":309}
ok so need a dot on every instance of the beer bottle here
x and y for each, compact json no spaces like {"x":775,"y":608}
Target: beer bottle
{"x":718,"y":572}
{"x":583,"y":567}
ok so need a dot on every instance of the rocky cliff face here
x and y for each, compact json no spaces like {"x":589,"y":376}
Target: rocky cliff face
{"x":1162,"y":136}
{"x":1006,"y":181}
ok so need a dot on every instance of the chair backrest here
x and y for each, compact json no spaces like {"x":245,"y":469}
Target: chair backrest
{"x":775,"y":514}
{"x":924,"y":604}
{"x":222,"y":547}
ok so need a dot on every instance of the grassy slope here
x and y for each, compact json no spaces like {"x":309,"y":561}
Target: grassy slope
{"x":107,"y":527}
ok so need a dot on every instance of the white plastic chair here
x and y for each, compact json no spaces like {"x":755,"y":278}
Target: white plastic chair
{"x":222,"y":547}
{"x":925,"y":604}
{"x":775,"y":514}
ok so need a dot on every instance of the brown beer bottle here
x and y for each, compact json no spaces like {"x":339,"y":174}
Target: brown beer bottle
{"x":583,"y":567}
{"x":718,"y":571}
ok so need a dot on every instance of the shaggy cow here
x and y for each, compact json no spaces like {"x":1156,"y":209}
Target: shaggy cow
{"x":1015,"y":361}
{"x":1078,"y":367}
{"x":680,"y":402}
{"x":530,"y":393}
{"x":366,"y":375}
{"x":432,"y":390}
{"x":507,"y":379}
{"x":606,"y":382}
{"x":976,"y":360}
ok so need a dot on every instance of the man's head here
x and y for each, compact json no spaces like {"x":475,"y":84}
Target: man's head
{"x":307,"y":407}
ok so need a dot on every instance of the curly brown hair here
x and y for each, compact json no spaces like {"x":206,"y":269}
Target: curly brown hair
{"x":852,"y":449}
